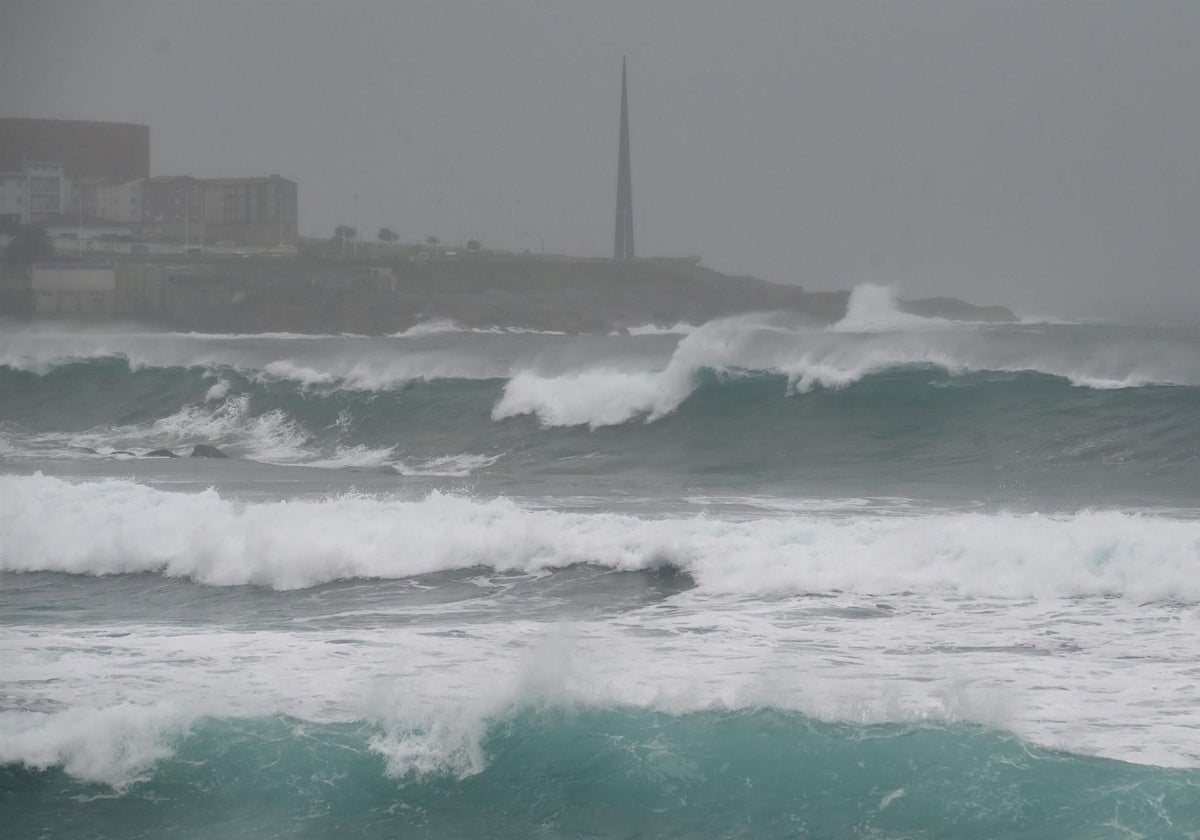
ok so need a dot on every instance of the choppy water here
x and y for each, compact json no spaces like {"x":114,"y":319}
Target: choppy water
{"x":895,"y":578}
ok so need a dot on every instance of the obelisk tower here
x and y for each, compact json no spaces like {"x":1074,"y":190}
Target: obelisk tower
{"x":623,"y":241}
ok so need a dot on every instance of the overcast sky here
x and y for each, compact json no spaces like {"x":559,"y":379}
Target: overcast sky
{"x":1042,"y":154}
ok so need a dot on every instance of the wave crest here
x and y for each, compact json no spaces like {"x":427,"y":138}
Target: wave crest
{"x":115,"y":526}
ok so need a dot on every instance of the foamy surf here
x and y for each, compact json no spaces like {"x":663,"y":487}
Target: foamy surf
{"x":114,"y":527}
{"x":900,"y":578}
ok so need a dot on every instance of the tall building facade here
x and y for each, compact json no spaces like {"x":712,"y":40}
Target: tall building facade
{"x":623,"y":240}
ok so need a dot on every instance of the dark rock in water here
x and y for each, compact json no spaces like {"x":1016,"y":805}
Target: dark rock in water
{"x":160,"y":453}
{"x":952,"y":309}
{"x":120,"y":452}
{"x":86,"y":450}
{"x":203,"y":450}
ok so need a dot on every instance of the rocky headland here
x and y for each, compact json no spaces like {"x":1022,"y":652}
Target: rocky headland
{"x":532,"y":293}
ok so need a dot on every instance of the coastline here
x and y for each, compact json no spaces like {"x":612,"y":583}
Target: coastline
{"x":380,"y":297}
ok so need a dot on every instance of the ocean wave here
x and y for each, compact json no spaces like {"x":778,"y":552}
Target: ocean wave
{"x":874,"y":338}
{"x":444,"y":326}
{"x":620,"y":771}
{"x":226,"y":421}
{"x":452,"y":466}
{"x":679,"y":328}
{"x":873,"y":308}
{"x":112,"y":527}
{"x":115,"y":745}
{"x":382,"y":374}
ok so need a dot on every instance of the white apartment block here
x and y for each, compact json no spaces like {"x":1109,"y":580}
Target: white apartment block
{"x":37,"y":192}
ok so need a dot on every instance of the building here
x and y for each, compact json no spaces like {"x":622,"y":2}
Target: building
{"x":85,"y":226}
{"x":14,"y":201}
{"x":119,"y":151}
{"x":172,"y":207}
{"x":251,"y":211}
{"x":74,"y":289}
{"x":115,"y":200}
{"x":33,"y":193}
{"x":243,"y":211}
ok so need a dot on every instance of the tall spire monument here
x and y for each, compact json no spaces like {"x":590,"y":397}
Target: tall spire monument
{"x":623,"y":241}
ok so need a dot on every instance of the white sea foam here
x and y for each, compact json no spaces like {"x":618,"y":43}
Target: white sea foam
{"x":609,"y":396}
{"x":218,"y":391}
{"x":444,"y":326}
{"x":440,"y":327}
{"x":454,"y":466}
{"x":355,"y":456}
{"x":594,"y":397}
{"x":221,"y":420}
{"x":120,"y":527}
{"x":115,"y":745}
{"x":1105,"y":676}
{"x":384,"y":373}
{"x":679,"y":328}
{"x":873,"y":308}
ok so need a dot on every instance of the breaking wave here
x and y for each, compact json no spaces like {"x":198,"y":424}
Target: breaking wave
{"x":120,"y":527}
{"x":617,"y":772}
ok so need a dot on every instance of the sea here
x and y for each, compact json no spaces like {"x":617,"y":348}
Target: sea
{"x":896,"y":577}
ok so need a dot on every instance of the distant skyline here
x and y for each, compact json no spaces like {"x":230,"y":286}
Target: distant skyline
{"x":1039,"y":153}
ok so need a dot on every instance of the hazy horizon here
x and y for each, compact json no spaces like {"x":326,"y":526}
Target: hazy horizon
{"x":1037,"y":154}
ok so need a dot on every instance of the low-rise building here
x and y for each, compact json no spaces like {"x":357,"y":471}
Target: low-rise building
{"x":74,"y":289}
{"x":251,"y":211}
{"x":85,"y":226}
{"x":241,"y":211}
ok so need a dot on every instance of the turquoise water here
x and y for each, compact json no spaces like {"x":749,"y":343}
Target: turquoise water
{"x":898,"y":578}
{"x":621,"y":773}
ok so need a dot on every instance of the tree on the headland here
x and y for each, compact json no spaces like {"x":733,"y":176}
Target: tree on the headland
{"x":30,"y":245}
{"x":433,"y":240}
{"x":473,"y":245}
{"x":344,"y":232}
{"x":388,"y":235}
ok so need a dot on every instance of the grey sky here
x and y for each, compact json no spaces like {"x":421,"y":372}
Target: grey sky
{"x":1042,"y":154}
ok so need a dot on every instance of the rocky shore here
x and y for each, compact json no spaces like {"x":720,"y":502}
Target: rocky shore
{"x":534,"y":294}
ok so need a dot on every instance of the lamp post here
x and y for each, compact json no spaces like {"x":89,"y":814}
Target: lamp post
{"x":517,"y":225}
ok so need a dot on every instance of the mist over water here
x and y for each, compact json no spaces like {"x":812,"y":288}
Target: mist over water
{"x":899,"y":575}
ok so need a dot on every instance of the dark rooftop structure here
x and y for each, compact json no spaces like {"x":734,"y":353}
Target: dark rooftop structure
{"x":118,"y":151}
